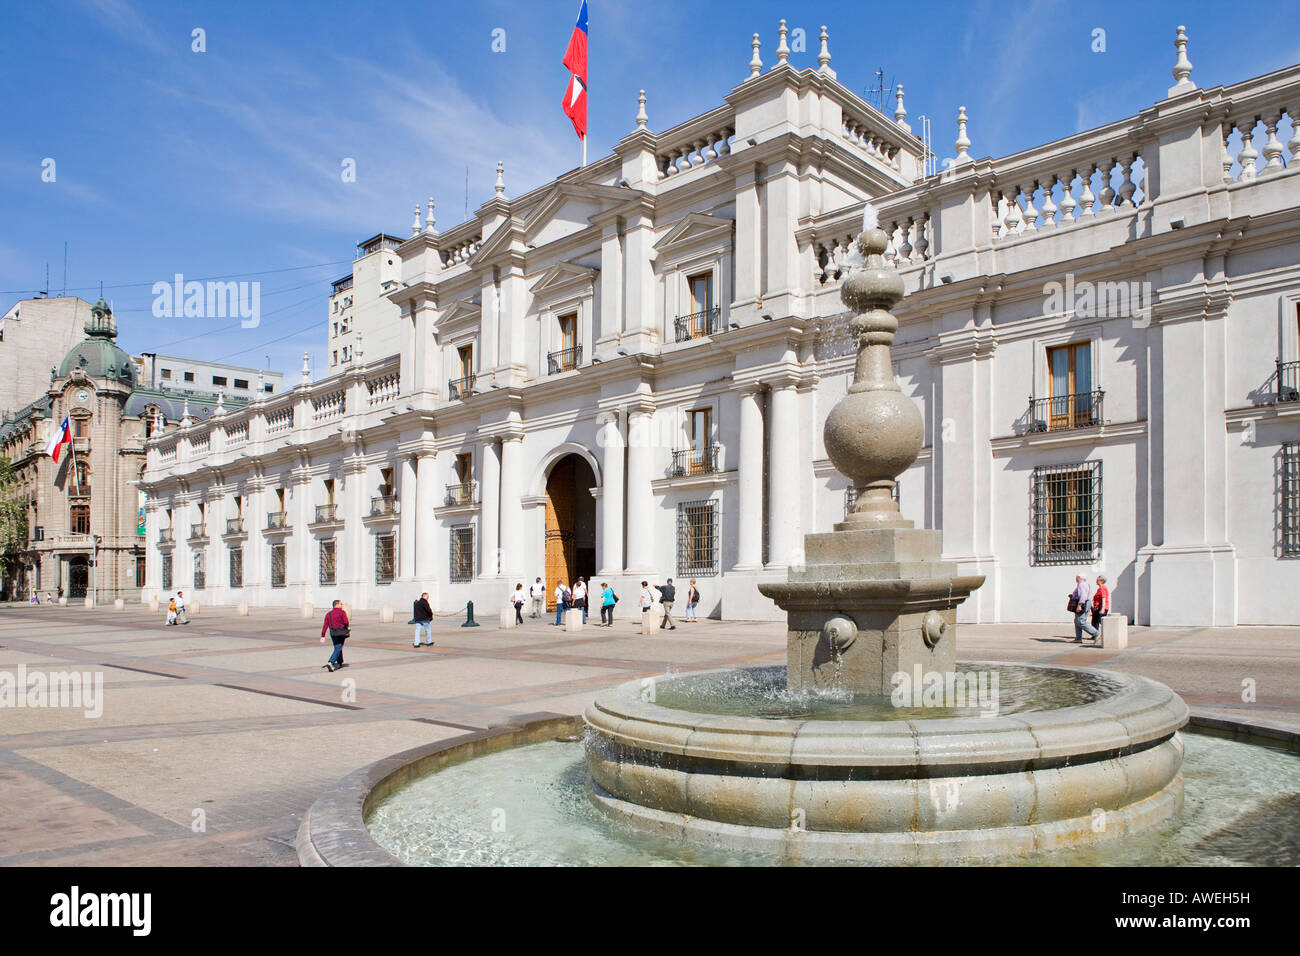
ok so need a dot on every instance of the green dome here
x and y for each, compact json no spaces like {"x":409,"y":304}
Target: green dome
{"x":99,"y":358}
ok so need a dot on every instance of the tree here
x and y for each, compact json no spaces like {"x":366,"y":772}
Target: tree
{"x":13,"y":522}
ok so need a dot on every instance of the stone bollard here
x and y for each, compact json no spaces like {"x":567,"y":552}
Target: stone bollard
{"x":573,"y":619}
{"x":153,"y":605}
{"x":1114,"y":631}
{"x":119,"y":605}
{"x":63,"y":602}
{"x":651,"y":619}
{"x":308,"y":609}
{"x":89,"y":601}
{"x":241,"y":609}
{"x":385,"y":614}
{"x":192,"y":608}
{"x":507,"y":619}
{"x":347,"y":609}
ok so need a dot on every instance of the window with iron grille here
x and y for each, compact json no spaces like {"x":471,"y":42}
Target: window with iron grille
{"x":1067,"y":513}
{"x":385,"y":557}
{"x":237,"y":567}
{"x":697,"y":538}
{"x":327,"y":561}
{"x":277,"y":565}
{"x":851,"y":498}
{"x":1291,"y":498}
{"x":166,"y":572}
{"x":200,"y":575}
{"x":461,"y":557}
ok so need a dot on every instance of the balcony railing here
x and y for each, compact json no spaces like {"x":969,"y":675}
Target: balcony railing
{"x":462,"y":493}
{"x":1062,"y":412}
{"x":564,"y":359}
{"x":383,"y":505}
{"x":326,"y":513}
{"x":698,"y":324}
{"x":459,"y":389}
{"x":198,"y":531}
{"x":234,"y":526}
{"x":694,"y":461}
{"x":165,"y":536}
{"x":1288,"y":381}
{"x":277,"y":520}
{"x":79,"y":491}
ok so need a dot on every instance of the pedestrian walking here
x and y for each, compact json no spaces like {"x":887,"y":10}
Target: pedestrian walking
{"x":538,"y":593}
{"x":1078,"y":606}
{"x":692,"y":602}
{"x":607,"y":601}
{"x":336,"y":627}
{"x":1100,"y":602}
{"x":422,"y":618}
{"x":517,"y":599}
{"x":646,"y":599}
{"x":180,"y":608}
{"x":667,"y":595}
{"x":171,"y":613}
{"x":563,"y":597}
{"x":580,"y":597}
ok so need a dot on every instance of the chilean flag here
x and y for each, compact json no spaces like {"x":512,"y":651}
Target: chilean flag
{"x":63,"y":437}
{"x":575,"y":60}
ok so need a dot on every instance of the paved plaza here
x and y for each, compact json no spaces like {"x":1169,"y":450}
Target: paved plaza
{"x":216,"y":736}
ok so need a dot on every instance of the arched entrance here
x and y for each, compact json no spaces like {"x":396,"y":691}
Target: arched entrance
{"x":78,"y":576}
{"x":570,"y":523}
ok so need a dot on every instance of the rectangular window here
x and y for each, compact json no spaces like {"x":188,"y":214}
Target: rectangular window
{"x":697,"y":538}
{"x":327,"y":561}
{"x":329,"y":491}
{"x":140,"y":568}
{"x":569,"y":331}
{"x":1067,"y":513}
{"x":466,"y":355}
{"x":166,"y":373}
{"x":1071,"y":405}
{"x":237,"y":567}
{"x":166,"y":572}
{"x":241,"y":383}
{"x":461,"y":559}
{"x":277,"y":565}
{"x":465,"y":466}
{"x":1291,"y":498}
{"x":79,"y":519}
{"x":219,"y":380}
{"x":81,"y":428}
{"x":701,"y":286}
{"x":200,"y":572}
{"x":189,"y":376}
{"x":385,"y":557}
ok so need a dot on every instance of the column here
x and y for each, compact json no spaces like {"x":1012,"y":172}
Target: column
{"x":781,"y":292}
{"x":256,"y":549}
{"x":512,"y":513}
{"x":749,"y":237}
{"x":611,"y":286}
{"x":610,"y":438}
{"x":407,"y":511}
{"x":640,"y":496}
{"x":422,"y":527}
{"x":303,"y":563}
{"x":489,"y":514}
{"x":349,"y":547}
{"x":749,"y":551}
{"x":783,"y":481}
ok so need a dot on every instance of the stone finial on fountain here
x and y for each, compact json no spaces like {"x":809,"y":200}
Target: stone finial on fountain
{"x":875,"y":432}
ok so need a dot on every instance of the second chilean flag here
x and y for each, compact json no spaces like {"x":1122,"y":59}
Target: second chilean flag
{"x":575,"y":60}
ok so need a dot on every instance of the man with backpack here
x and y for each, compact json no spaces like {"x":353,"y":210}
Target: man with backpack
{"x":667,"y":595}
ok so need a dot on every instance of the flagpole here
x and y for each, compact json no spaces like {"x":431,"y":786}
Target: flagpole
{"x":584,"y":151}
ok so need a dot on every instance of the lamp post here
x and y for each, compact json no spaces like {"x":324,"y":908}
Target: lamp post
{"x":94,"y":570}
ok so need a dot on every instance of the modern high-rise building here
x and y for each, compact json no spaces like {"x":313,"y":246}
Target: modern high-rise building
{"x":624,"y":373}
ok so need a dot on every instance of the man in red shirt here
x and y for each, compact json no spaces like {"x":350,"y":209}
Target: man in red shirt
{"x":336,"y":626}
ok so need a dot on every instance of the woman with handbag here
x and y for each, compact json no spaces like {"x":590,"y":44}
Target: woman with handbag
{"x":336,"y":626}
{"x":1078,"y":606}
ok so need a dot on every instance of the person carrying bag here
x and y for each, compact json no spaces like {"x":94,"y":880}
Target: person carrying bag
{"x":336,"y":626}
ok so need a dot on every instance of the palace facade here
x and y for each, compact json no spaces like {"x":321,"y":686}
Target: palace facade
{"x":624,"y":373}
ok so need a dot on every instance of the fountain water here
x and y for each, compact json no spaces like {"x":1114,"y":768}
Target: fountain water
{"x":873,"y":608}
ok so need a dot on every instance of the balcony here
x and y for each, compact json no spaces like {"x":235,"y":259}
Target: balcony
{"x":79,"y":491}
{"x":165,"y":536}
{"x":325,"y":514}
{"x":383,"y":505}
{"x":564,"y":360}
{"x":462,"y":493}
{"x":1063,"y":412}
{"x":698,"y":324}
{"x":277,"y":521}
{"x":235,"y":525}
{"x":1288,"y":381}
{"x":198,"y":532}
{"x":694,"y":461}
{"x":459,"y":389}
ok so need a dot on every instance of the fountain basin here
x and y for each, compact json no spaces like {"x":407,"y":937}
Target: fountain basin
{"x":912,"y":789}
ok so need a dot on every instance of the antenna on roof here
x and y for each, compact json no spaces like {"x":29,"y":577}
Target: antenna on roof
{"x":65,"y":269}
{"x":879,"y":96}
{"x":466,"y":194}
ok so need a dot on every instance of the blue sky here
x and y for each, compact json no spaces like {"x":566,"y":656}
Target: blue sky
{"x":227,"y":162}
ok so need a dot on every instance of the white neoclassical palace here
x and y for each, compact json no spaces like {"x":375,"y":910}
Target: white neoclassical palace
{"x":624,"y":374}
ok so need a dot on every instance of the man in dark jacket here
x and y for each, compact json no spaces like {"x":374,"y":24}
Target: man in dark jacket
{"x":422,"y":617}
{"x":667,"y":594}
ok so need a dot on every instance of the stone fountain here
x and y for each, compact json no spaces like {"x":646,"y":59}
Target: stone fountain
{"x":1091,"y":756}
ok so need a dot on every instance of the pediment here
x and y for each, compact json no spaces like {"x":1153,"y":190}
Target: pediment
{"x":695,"y":228}
{"x":563,"y":277}
{"x":568,"y":207}
{"x":500,"y":241}
{"x":460,"y":309}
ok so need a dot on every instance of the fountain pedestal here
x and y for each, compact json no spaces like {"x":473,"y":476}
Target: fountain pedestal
{"x":869,"y":604}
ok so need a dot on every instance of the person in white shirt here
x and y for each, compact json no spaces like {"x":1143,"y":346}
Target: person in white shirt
{"x":538,"y":593}
{"x":517,"y":599}
{"x":562,"y":599}
{"x":647,"y":599}
{"x":580,"y":598}
{"x":180,"y":609}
